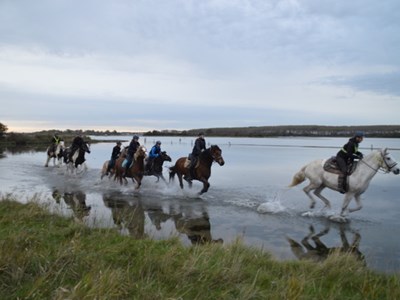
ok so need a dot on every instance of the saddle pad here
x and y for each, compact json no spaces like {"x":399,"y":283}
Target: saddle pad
{"x":330,"y":165}
{"x":187,"y":163}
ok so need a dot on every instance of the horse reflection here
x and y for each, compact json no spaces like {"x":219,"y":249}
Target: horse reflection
{"x":128,"y":216}
{"x":157,"y":216}
{"x":197,"y":228}
{"x":319,"y":252}
{"x":75,"y":201}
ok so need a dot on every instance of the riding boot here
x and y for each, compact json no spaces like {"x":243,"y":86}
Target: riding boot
{"x":342,"y":183}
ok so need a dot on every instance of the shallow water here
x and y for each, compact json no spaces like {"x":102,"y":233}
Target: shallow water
{"x":248,"y":198}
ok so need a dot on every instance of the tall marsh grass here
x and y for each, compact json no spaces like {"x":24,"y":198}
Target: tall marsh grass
{"x":45,"y":256}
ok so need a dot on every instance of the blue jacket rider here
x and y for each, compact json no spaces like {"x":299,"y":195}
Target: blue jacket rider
{"x":154,"y":153}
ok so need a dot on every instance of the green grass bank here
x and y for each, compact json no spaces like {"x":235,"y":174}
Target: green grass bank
{"x":45,"y":256}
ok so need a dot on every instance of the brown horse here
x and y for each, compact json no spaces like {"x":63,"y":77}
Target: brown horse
{"x":202,"y":170}
{"x":135,"y":171}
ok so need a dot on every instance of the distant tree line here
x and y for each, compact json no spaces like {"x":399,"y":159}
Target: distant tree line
{"x":392,"y":131}
{"x":44,"y":137}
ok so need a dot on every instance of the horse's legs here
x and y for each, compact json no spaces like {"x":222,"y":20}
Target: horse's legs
{"x":47,"y":161}
{"x":206,"y":185}
{"x":346,"y":202}
{"x":180,"y":180}
{"x":358,"y":202}
{"x":317,"y":193}
{"x":307,"y":190}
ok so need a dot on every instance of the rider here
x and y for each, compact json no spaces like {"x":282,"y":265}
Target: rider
{"x":76,"y":144}
{"x":346,"y":156}
{"x":114,"y":155}
{"x":133,"y":146}
{"x":154,"y":153}
{"x":199,"y":146}
{"x":55,"y":140}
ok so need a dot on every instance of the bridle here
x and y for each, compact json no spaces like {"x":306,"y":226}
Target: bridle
{"x":386,"y":170}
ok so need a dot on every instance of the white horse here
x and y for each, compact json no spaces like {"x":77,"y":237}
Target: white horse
{"x":358,"y":181}
{"x":57,"y":153}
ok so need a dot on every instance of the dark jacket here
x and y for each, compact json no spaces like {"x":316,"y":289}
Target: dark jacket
{"x":349,"y":151}
{"x":133,"y":146}
{"x":77,"y":142}
{"x":116,"y":151}
{"x":199,"y":146}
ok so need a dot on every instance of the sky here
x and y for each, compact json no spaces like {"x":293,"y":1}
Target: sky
{"x":133,"y":65}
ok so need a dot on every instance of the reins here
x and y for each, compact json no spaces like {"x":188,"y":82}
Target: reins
{"x":384,"y":171}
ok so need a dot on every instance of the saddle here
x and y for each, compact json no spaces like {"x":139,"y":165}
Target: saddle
{"x":188,"y":162}
{"x":331,"y":166}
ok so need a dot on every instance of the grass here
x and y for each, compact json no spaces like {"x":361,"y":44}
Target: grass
{"x":45,"y":256}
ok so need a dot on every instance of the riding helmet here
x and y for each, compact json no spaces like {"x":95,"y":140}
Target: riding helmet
{"x":158,"y":143}
{"x":135,"y":137}
{"x":359,"y":134}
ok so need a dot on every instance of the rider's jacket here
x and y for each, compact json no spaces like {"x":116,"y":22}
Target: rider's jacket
{"x":155,"y":151}
{"x":349,"y":150}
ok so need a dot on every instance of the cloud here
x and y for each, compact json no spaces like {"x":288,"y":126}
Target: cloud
{"x":186,"y":63}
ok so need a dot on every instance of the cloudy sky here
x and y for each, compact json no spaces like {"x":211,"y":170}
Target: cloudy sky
{"x":182,"y":64}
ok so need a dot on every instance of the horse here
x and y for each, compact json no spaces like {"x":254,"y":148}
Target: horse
{"x":156,"y":169}
{"x":358,"y":181}
{"x":55,"y":151}
{"x":104,"y":170}
{"x":78,"y":157}
{"x":202,"y":170}
{"x":135,"y":171}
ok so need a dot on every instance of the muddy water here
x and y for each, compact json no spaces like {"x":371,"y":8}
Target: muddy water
{"x":248,"y":198}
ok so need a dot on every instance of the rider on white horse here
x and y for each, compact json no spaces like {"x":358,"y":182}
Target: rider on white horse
{"x":346,"y":156}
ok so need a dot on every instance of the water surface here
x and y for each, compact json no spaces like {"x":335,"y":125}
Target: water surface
{"x":248,"y":198}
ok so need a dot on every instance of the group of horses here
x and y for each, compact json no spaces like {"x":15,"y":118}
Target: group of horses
{"x":318,"y":176}
{"x":137,"y":170}
{"x":61,"y":154}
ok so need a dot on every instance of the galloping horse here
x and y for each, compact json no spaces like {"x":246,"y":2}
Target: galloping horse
{"x":358,"y":181}
{"x":202,"y":170}
{"x":158,"y":162}
{"x":78,"y":157}
{"x":135,"y":171}
{"x":55,"y":152}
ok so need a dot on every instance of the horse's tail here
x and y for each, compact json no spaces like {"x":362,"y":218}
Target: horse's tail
{"x":299,"y":177}
{"x":172,"y":173}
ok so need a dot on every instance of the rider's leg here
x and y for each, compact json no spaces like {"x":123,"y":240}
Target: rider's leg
{"x":343,"y":177}
{"x":193,"y":162}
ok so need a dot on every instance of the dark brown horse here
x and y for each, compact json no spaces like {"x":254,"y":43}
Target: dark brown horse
{"x":157,"y":168}
{"x":136,"y":171}
{"x":202,"y":170}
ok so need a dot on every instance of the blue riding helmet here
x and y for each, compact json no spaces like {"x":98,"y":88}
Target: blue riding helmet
{"x":158,"y":143}
{"x":135,"y":137}
{"x":359,"y":134}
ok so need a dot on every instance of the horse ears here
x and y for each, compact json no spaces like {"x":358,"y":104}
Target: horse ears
{"x":384,"y":151}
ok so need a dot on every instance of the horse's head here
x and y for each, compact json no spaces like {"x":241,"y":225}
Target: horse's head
{"x":85,"y":147}
{"x":389,"y":164}
{"x":216,"y":154}
{"x":165,"y":157}
{"x":140,"y":152}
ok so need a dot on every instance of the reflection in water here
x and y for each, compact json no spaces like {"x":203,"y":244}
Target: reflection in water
{"x":320,"y":252}
{"x":76,"y":201}
{"x":129,"y":217}
{"x":197,"y":228}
